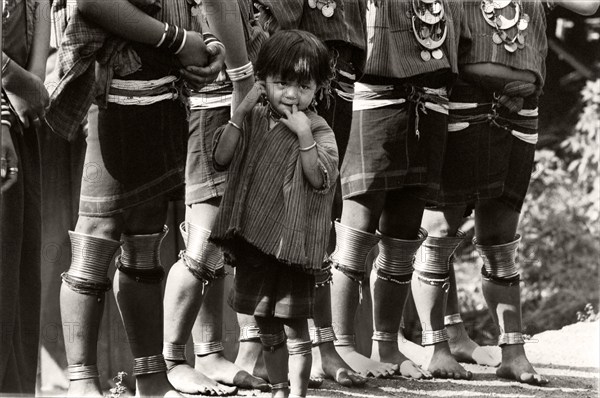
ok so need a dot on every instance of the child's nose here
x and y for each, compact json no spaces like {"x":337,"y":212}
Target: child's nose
{"x":291,"y":92}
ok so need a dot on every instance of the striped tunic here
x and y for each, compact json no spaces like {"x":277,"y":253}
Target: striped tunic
{"x":346,"y":24}
{"x":268,"y":202}
{"x":393,"y":51}
{"x":477,"y":45}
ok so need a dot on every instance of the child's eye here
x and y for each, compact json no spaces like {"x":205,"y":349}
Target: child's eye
{"x":305,"y":87}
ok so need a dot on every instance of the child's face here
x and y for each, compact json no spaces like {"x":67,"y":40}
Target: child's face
{"x":283,"y":94}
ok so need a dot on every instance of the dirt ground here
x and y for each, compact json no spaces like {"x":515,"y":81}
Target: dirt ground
{"x":568,"y":357}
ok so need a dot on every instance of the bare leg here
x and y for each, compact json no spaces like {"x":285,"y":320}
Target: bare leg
{"x":327,"y":363}
{"x":390,"y":278}
{"x":139,"y":298}
{"x":209,"y":328}
{"x":275,"y":355}
{"x":183,"y":300}
{"x":250,"y":356}
{"x":495,"y":229}
{"x":361,"y":216}
{"x":446,"y":223}
{"x":300,"y":357}
{"x":81,"y":311}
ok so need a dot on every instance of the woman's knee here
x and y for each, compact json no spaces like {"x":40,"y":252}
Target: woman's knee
{"x":101,"y":227}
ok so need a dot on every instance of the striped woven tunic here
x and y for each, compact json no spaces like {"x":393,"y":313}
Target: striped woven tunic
{"x":268,"y":202}
{"x":477,"y":45}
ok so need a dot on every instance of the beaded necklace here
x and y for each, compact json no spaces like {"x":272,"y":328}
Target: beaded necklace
{"x":429,"y":27}
{"x":520,"y":20}
{"x":327,"y":7}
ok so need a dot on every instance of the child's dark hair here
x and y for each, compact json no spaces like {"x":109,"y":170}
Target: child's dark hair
{"x":295,"y":55}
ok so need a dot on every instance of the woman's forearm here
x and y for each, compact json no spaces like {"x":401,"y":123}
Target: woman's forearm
{"x":41,"y":40}
{"x":123,"y":19}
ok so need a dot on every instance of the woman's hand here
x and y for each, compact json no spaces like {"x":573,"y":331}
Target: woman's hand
{"x":26,"y":93}
{"x":198,"y":76}
{"x":297,"y":121}
{"x":8,"y":161}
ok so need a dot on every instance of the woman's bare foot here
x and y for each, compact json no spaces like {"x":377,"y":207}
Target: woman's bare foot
{"x":365,"y":366}
{"x":85,"y":388}
{"x":415,"y":352}
{"x":221,"y":370}
{"x":155,"y":385}
{"x":466,"y":350}
{"x":190,"y":381}
{"x":444,"y":366}
{"x":387,"y":352}
{"x":250,"y":359}
{"x":516,"y":366}
{"x":328,"y":364}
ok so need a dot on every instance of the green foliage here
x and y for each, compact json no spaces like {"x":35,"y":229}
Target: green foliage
{"x":560,"y":225}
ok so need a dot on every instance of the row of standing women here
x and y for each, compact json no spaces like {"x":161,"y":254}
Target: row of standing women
{"x":443,"y":97}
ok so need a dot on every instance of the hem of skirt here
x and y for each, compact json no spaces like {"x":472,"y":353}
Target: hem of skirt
{"x":217,"y":191}
{"x":232,"y":236}
{"x":168,"y":188}
{"x":512,"y":200}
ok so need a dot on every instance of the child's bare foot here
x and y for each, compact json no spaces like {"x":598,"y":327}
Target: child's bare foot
{"x":221,"y":370}
{"x":466,"y":350}
{"x":155,"y":385}
{"x":444,"y":366}
{"x":365,"y":366}
{"x":190,"y":381}
{"x":250,"y":359}
{"x":85,"y":388}
{"x":328,"y":364}
{"x":387,"y":352}
{"x":516,"y":366}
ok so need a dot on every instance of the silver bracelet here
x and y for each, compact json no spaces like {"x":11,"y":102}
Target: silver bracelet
{"x":308,"y":148}
{"x":234,"y":124}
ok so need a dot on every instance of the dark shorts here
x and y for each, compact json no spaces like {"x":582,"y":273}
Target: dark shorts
{"x":134,"y":154}
{"x":384,"y":152}
{"x":203,"y":182}
{"x":266,"y":287}
{"x":484,"y":161}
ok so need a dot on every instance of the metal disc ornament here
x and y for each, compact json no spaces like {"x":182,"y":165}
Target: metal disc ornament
{"x":312,"y":3}
{"x":425,"y":55}
{"x":511,"y":47}
{"x":327,"y":10}
{"x":497,"y":39}
{"x":437,"y":54}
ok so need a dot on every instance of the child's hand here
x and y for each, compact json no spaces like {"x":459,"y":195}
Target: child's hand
{"x":297,"y":121}
{"x":254,"y":95}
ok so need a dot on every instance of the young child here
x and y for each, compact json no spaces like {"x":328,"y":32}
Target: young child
{"x":273,"y":222}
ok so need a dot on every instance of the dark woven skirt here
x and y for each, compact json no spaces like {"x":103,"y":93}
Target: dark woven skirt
{"x":266,"y":287}
{"x":385,"y":152}
{"x":488,"y":156}
{"x":134,"y":154}
{"x":202,"y":181}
